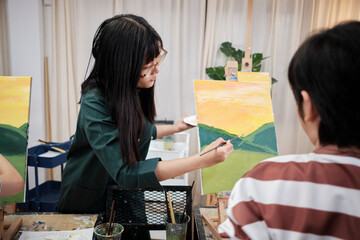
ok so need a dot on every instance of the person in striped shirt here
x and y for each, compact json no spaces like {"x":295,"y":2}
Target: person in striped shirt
{"x":314,"y":195}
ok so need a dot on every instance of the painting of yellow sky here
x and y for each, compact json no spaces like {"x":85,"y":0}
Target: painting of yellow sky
{"x":229,"y":108}
{"x":14,"y":100}
{"x":14,"y":119}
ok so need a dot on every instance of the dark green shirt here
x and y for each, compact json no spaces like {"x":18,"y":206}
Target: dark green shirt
{"x":95,"y":159}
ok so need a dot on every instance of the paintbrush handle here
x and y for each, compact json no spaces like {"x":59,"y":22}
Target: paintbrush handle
{"x":111,"y":220}
{"x":59,"y":149}
{"x":171,"y":210}
{"x":220,"y":145}
{"x":188,"y":200}
{"x":112,"y":223}
{"x":167,"y":206}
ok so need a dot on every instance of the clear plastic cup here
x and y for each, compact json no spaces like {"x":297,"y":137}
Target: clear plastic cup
{"x":168,"y":143}
{"x":101,"y":230}
{"x":178,"y":230}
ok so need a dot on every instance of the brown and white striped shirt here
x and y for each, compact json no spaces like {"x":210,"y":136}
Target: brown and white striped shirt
{"x":308,"y":196}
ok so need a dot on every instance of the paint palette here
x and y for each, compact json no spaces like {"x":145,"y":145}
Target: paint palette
{"x":191,"y":120}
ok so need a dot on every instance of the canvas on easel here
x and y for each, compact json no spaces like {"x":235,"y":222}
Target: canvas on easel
{"x":14,"y":122}
{"x":227,"y":109}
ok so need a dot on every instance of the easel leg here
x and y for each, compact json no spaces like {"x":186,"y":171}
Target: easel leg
{"x":211,"y":225}
{"x":222,"y":204}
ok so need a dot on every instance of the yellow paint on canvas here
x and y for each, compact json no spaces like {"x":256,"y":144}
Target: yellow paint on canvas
{"x":14,"y":100}
{"x":236,"y":107}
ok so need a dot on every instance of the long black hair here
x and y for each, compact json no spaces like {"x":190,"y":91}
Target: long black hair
{"x":121,"y":46}
{"x":327,"y":66}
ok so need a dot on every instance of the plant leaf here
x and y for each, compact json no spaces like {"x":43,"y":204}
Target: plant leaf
{"x":257,"y":57}
{"x":238,"y":55}
{"x":258,"y":61}
{"x":216,"y":73}
{"x":227,"y":49}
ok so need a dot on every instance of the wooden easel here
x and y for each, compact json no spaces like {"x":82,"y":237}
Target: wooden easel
{"x":212,"y":199}
{"x":12,"y":227}
{"x":47,"y":110}
{"x":246,"y":63}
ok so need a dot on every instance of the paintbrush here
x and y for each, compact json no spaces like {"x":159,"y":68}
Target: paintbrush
{"x":222,"y":144}
{"x":167,"y":206}
{"x":112,"y":218}
{"x":171,"y":210}
{"x":59,"y":149}
{"x":112,"y":224}
{"x":186,"y":204}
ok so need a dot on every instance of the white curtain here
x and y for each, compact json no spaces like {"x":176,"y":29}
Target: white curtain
{"x":329,"y":13}
{"x":70,"y":28}
{"x":290,"y":26}
{"x":278,"y":28}
{"x":293,"y":21}
{"x":192,"y":32}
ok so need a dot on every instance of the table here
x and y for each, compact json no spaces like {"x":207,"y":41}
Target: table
{"x":52,"y":221}
{"x":203,"y":231}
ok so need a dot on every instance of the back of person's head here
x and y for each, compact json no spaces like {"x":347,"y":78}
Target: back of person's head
{"x":121,"y":46}
{"x":326,"y":66}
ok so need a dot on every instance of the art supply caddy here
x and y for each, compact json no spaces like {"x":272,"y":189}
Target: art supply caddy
{"x":145,"y":209}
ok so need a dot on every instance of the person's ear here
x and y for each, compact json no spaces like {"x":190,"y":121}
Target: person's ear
{"x":310,"y":112}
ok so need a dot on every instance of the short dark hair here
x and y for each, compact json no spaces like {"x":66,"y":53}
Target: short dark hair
{"x":121,"y":46}
{"x":327,"y":66}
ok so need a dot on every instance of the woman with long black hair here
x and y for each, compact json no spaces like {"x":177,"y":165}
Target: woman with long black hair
{"x":115,"y":122}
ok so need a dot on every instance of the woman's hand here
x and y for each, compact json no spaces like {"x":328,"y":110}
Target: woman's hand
{"x":166,"y":130}
{"x":172,"y":168}
{"x":219,"y":154}
{"x":181,"y":125}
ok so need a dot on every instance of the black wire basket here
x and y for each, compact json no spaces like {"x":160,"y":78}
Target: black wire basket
{"x":139,"y":210}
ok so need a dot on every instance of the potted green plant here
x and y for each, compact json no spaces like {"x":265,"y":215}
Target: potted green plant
{"x":218,"y":73}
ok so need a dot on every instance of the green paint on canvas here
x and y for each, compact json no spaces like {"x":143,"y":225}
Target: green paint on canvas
{"x":242,"y":160}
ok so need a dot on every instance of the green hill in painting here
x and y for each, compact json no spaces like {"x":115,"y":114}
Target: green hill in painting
{"x":13,"y":140}
{"x":262,"y":139}
{"x":264,"y":136}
